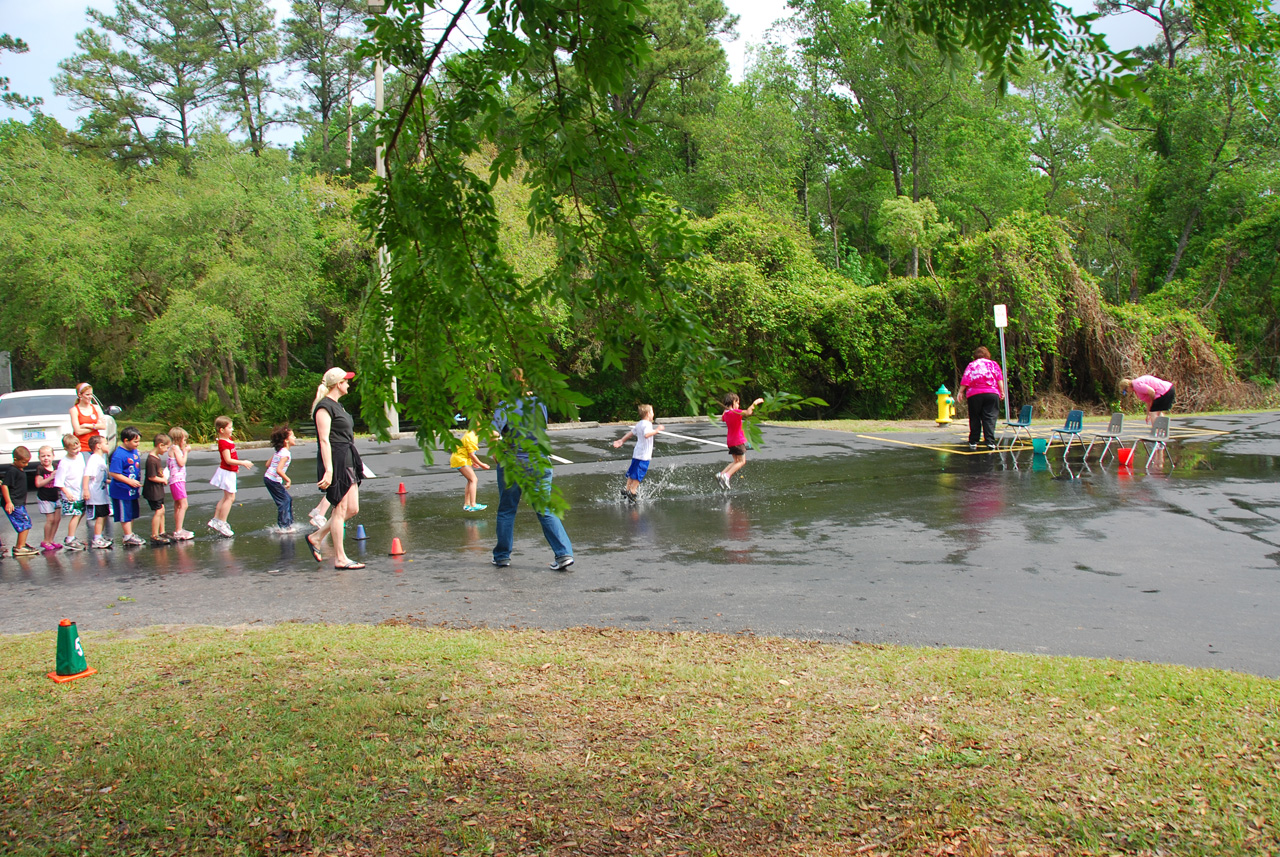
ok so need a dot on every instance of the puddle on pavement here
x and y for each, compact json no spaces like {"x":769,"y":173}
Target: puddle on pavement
{"x":909,"y":507}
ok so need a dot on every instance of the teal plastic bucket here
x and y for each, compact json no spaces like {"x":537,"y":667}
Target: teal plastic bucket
{"x":1039,"y":445}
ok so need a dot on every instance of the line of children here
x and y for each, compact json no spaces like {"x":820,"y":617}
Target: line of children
{"x":76,"y":484}
{"x":643,"y":431}
{"x":13,"y":486}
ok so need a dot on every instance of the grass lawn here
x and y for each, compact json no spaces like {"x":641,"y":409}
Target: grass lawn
{"x":403,"y":740}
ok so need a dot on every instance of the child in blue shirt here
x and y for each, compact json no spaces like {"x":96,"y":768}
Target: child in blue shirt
{"x":126,"y":484}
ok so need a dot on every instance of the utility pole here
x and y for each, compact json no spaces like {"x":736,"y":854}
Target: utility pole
{"x":377,"y":7}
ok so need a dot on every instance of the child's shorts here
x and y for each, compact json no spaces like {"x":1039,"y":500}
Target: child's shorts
{"x":224,"y":479}
{"x":156,"y":505}
{"x":125,"y":510}
{"x":47,"y":507}
{"x":20,"y":519}
{"x":71,"y":507}
{"x":637,"y":470}
{"x":740,"y":449}
{"x":102,"y":510}
{"x":178,"y":490}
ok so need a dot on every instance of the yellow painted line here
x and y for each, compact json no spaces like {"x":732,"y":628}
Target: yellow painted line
{"x":928,"y":446}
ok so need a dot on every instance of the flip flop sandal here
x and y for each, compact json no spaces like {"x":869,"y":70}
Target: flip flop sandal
{"x":349,"y":566}
{"x":315,"y":551}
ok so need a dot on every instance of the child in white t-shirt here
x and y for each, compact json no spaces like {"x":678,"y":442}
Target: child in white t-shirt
{"x":643,"y":432}
{"x":276,"y":478}
{"x":69,"y":480}
{"x":97,"y":502}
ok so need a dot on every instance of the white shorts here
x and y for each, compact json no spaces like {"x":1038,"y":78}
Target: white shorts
{"x":47,"y":507}
{"x":224,"y":479}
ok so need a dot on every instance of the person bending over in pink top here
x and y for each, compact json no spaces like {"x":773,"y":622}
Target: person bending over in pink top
{"x":982,"y":387}
{"x":737,"y":440}
{"x":1156,"y":393}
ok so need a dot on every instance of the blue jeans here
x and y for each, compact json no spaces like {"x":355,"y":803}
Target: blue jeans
{"x":508,"y":501}
{"x":284,"y":503}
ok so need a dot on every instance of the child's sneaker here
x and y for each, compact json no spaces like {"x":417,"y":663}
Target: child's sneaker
{"x":133,"y":540}
{"x":73,"y":545}
{"x":723,"y":480}
{"x":561,"y":563}
{"x":100,"y":543}
{"x":183,"y":535}
{"x":478,"y":507}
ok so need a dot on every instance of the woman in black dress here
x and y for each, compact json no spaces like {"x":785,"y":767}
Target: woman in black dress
{"x":338,"y":466}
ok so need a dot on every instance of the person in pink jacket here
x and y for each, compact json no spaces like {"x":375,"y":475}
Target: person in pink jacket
{"x":1157,"y":393}
{"x":982,"y":387}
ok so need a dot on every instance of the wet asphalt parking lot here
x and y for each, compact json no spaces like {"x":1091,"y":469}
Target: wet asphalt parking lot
{"x":888,"y":538}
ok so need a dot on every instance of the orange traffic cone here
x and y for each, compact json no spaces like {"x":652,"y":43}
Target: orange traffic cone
{"x":396,"y":549}
{"x":70,"y":662}
{"x":401,"y":490}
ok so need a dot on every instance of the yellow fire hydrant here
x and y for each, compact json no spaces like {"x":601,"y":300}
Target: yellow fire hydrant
{"x":946,"y":406}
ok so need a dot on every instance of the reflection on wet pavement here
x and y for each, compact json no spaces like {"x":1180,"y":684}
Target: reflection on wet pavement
{"x":826,"y":535}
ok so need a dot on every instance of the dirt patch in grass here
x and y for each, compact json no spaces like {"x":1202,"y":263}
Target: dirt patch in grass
{"x":400,"y":740}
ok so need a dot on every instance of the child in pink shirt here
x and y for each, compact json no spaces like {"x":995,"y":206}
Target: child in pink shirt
{"x":737,"y":440}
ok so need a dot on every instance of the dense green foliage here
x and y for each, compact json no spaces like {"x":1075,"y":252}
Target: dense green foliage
{"x":585,"y":194}
{"x":189,"y":283}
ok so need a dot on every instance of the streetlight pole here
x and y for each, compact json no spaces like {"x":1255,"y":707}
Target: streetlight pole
{"x":376,"y":7}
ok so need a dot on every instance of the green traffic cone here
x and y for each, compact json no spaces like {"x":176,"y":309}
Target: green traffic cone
{"x":71,"y":663}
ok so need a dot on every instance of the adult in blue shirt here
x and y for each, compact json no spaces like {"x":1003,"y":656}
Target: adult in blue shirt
{"x":511,"y":420}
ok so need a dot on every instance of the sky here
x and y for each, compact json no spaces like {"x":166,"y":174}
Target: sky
{"x":50,"y":28}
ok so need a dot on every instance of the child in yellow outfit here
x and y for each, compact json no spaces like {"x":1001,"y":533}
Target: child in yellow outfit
{"x":462,"y":460}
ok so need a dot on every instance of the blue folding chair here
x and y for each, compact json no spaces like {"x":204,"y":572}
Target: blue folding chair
{"x":1021,"y":425}
{"x":1159,"y":439}
{"x":1111,"y":435}
{"x":1070,"y":430}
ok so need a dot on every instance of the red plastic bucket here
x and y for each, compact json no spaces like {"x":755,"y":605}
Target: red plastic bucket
{"x":1125,"y":456}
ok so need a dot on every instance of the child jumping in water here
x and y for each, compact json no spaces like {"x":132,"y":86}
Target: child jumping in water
{"x":737,"y":439}
{"x":462,"y":460}
{"x":643,"y":431}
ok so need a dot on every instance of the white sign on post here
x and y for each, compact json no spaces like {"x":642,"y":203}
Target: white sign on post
{"x":1002,"y":317}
